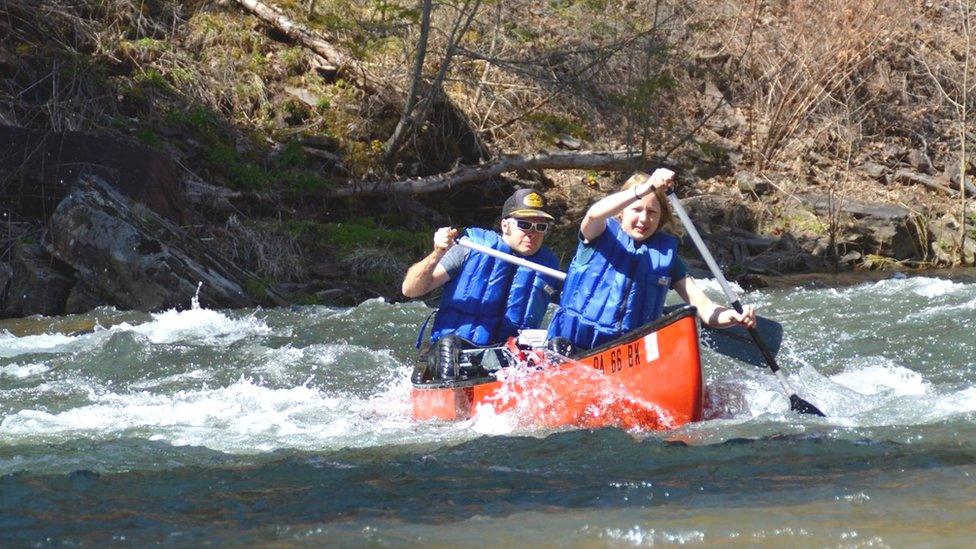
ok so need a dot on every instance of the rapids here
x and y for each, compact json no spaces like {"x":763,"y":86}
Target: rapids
{"x":292,"y":425}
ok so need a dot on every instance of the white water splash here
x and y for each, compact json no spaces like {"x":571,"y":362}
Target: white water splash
{"x":241,"y":418}
{"x":203,"y":326}
{"x":23,"y":371}
{"x":197,"y":325}
{"x":11,"y":345}
{"x":881,"y":376}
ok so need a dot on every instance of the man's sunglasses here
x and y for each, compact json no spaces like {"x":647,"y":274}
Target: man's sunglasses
{"x":527,"y":226}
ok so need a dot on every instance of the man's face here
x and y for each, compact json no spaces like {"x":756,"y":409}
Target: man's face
{"x":523,"y":235}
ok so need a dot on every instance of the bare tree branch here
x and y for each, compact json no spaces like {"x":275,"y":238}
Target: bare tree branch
{"x":415,"y":78}
{"x":414,"y":118}
{"x":561,"y":160}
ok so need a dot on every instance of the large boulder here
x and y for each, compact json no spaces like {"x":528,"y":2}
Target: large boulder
{"x":882,"y":229}
{"x":945,"y":242}
{"x":133,"y":258}
{"x":38,"y":284}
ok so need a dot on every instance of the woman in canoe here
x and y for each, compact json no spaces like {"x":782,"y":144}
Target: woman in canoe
{"x":624,"y":265}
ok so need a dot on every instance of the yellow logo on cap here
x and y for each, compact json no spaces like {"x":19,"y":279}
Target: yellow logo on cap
{"x":532,"y":200}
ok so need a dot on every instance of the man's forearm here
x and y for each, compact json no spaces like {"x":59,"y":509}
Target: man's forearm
{"x":420,"y":275}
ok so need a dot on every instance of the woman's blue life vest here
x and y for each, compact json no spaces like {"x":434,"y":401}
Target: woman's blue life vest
{"x":490,"y":300}
{"x":615,"y":287}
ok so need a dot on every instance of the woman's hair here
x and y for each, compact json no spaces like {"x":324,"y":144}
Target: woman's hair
{"x":667,"y":216}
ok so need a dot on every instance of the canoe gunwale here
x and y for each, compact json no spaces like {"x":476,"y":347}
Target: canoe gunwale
{"x":422,"y":380}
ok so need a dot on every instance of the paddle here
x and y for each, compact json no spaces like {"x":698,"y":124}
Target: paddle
{"x":797,"y":404}
{"x":732,"y":342}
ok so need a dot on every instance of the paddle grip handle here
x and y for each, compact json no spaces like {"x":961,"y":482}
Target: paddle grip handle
{"x":766,"y":353}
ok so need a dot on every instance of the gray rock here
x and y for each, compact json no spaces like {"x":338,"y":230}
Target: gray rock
{"x":919,"y":160}
{"x":968,"y":186}
{"x":851,"y":257}
{"x":894,"y":151}
{"x":857,"y":209}
{"x":884,"y":229}
{"x":569,"y":142}
{"x":38,"y":286}
{"x":82,"y":299}
{"x":713,"y":213}
{"x":305,"y":96}
{"x":936,"y":183}
{"x":874,"y":170}
{"x":750,"y":183}
{"x":944,"y":243}
{"x":758,"y":244}
{"x":136,"y":258}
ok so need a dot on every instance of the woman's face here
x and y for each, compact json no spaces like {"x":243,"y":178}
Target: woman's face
{"x":641,"y":219}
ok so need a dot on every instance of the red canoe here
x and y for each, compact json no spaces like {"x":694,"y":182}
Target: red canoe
{"x":650,"y":378}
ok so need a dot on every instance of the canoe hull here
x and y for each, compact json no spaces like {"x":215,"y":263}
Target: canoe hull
{"x":658,"y":365}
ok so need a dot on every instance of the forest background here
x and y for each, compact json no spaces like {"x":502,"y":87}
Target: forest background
{"x":304,"y":151}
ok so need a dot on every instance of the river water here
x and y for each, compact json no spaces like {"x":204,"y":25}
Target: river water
{"x":292,"y":426}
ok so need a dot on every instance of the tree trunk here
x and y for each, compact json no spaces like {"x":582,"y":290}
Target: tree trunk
{"x":415,"y":120}
{"x":345,"y":66}
{"x":415,"y":78}
{"x":961,"y":257}
{"x":605,"y":160}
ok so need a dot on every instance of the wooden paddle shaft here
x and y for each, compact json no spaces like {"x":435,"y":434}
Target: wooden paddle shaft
{"x":796,"y":403}
{"x":726,"y":288}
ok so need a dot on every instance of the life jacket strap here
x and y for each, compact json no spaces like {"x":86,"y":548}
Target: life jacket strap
{"x":423,"y":328}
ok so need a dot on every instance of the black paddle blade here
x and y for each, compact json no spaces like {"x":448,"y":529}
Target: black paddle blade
{"x":736,"y":342}
{"x":797,"y":404}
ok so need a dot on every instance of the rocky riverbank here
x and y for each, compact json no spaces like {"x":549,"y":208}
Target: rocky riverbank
{"x":113,"y":225}
{"x":150,"y":152}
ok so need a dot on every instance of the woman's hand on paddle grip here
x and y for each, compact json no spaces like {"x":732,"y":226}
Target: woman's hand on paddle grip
{"x":747,"y":319}
{"x":662,"y":178}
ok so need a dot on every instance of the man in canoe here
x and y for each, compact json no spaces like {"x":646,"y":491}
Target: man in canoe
{"x":486,"y":300}
{"x":625,"y":263}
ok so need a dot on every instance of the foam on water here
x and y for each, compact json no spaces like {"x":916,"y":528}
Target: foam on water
{"x":201,"y":326}
{"x":11,"y":345}
{"x":260,"y":389}
{"x":241,"y":418}
{"x":881,"y":376}
{"x":639,"y":536}
{"x":197,"y":325}
{"x":22,"y":371}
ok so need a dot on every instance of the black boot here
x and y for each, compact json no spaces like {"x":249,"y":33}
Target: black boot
{"x":560,"y":346}
{"x":447,"y":352}
{"x":451,"y":363}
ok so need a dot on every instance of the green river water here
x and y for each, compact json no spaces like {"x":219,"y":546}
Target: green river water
{"x":292,"y":427}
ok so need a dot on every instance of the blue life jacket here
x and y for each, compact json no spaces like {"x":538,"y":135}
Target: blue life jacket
{"x":619,"y":287}
{"x":490,"y":300}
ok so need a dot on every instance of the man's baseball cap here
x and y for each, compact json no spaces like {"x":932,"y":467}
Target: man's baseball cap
{"x":526,"y":203}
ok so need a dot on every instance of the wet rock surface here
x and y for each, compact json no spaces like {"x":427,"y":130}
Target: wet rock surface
{"x":38,"y":284}
{"x":137,"y":258}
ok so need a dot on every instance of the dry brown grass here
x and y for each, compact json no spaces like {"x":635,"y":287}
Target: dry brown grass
{"x":273,"y":255}
{"x":810,"y":88}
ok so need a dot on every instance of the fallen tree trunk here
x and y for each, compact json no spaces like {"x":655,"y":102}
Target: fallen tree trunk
{"x":933,"y":183}
{"x":345,"y":66}
{"x":562,"y":160}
